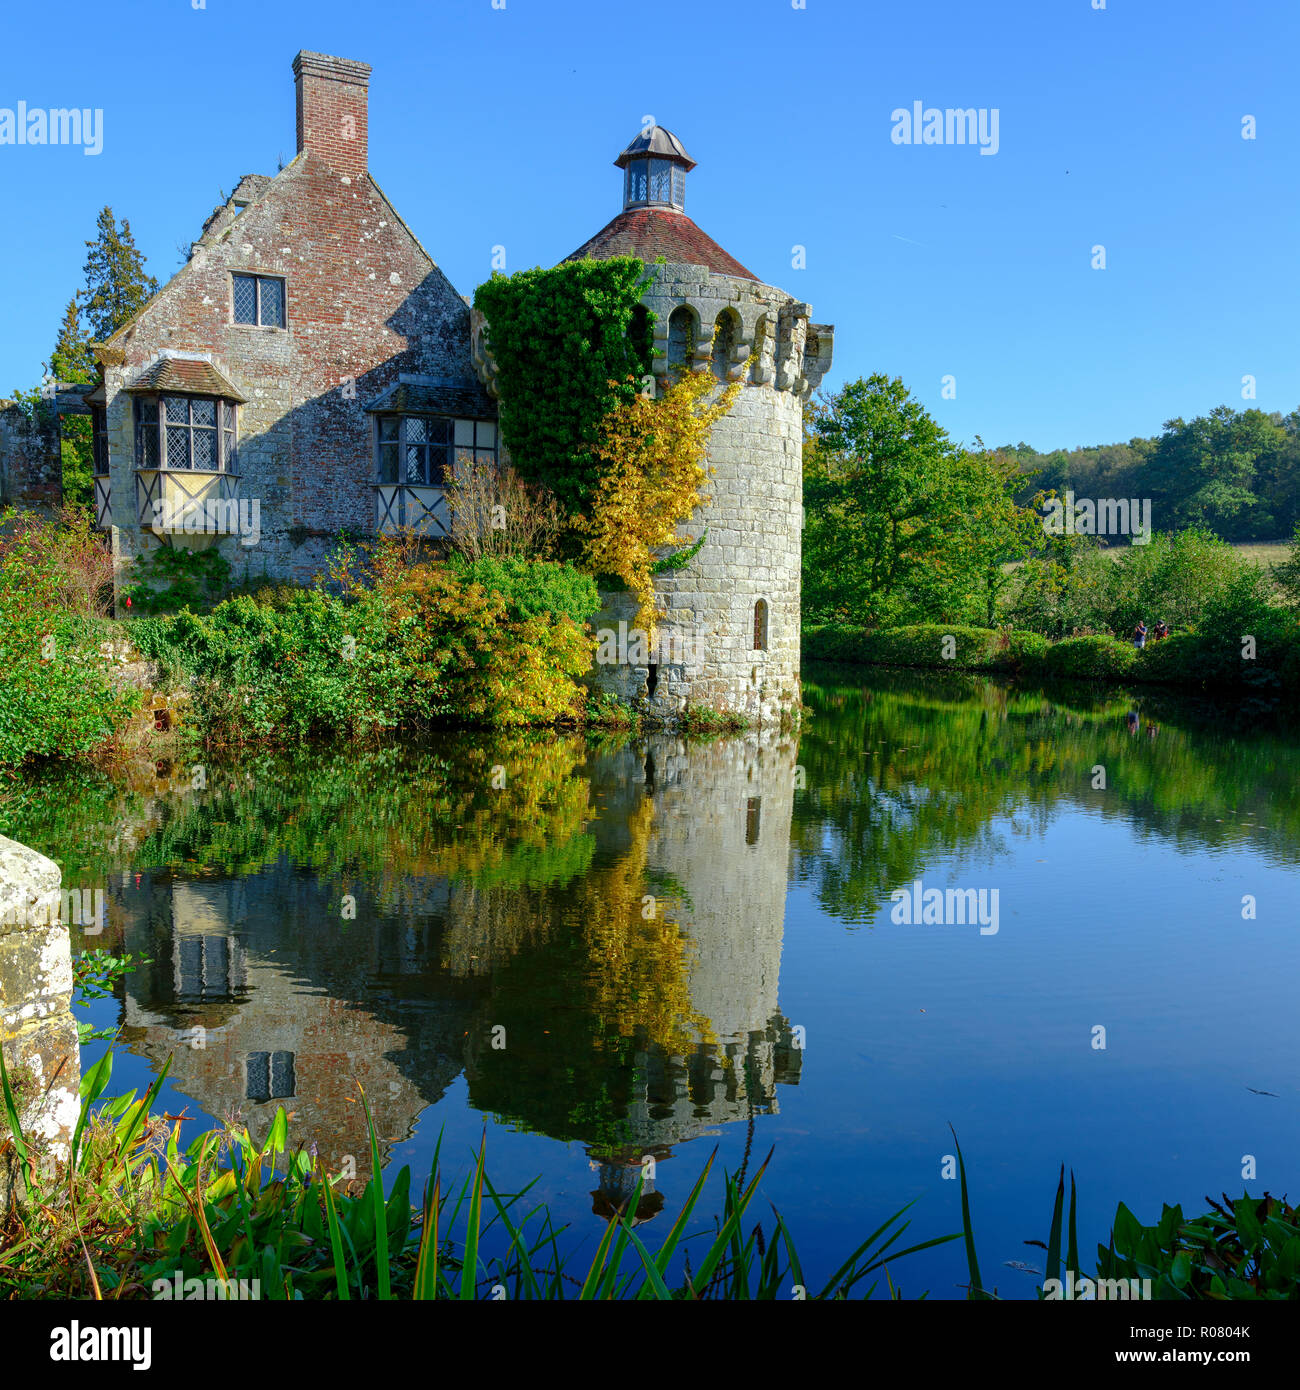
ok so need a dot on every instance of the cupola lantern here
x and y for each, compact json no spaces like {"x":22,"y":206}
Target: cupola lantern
{"x":654,"y":167}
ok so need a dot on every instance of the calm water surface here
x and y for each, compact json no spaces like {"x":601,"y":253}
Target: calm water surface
{"x":655,"y":948}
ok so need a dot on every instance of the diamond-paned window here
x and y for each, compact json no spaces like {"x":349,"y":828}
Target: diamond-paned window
{"x":417,"y":449}
{"x":146,"y":432}
{"x":228,"y":435}
{"x":196,"y":432}
{"x":259,"y":299}
{"x":245,"y":298}
{"x":655,"y":181}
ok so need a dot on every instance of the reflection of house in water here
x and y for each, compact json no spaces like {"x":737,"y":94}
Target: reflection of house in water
{"x":254,"y":1015}
{"x":629,"y":1036}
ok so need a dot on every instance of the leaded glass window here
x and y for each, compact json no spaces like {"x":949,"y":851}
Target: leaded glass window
{"x":185,"y":432}
{"x":191,"y":425}
{"x":270,"y":1076}
{"x":99,"y":436}
{"x":418,"y":449}
{"x":228,"y":432}
{"x":259,"y":299}
{"x":656,"y":181}
{"x":146,"y":432}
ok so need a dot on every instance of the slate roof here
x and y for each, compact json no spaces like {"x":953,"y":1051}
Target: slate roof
{"x":652,"y":232}
{"x":465,"y":399}
{"x":187,"y":377}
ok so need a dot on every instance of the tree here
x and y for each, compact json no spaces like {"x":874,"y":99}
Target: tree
{"x":72,"y":359}
{"x":901,"y":523}
{"x":117,"y":287}
{"x":1206,"y":468}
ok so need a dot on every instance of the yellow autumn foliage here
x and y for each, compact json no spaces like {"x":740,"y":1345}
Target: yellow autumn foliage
{"x":653,"y":451}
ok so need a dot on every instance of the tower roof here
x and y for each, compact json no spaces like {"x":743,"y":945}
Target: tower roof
{"x":653,"y":232}
{"x":653,"y":223}
{"x":659,"y":143}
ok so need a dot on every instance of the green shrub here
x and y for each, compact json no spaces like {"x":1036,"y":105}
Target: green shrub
{"x":57,"y":697}
{"x":493,"y":668}
{"x":430,"y":644}
{"x":924,"y":644}
{"x":1090,"y":658}
{"x":583,"y":324}
{"x":534,"y":587}
{"x":1176,"y":659}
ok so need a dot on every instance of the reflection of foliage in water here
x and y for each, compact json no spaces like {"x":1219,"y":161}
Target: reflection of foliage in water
{"x":606,"y":989}
{"x":902,"y":769}
{"x":348,"y":816}
{"x":639,"y":976}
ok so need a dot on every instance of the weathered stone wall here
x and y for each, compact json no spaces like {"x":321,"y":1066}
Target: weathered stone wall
{"x":31,"y":469}
{"x":37,"y":1030}
{"x":365,"y":305}
{"x":706,"y":652}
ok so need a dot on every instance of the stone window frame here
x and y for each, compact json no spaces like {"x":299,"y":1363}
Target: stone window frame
{"x":762,"y":633}
{"x":679,"y":355}
{"x":257,"y":278}
{"x":454,"y":447}
{"x":728,"y":331}
{"x":152,"y":424}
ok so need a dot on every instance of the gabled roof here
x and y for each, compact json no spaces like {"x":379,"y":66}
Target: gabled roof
{"x":186,"y":376}
{"x":653,"y":232}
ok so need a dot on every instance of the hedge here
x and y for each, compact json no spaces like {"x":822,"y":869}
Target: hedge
{"x":925,"y":644}
{"x":1207,"y":658}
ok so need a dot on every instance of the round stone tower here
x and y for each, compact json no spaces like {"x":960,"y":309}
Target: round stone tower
{"x":729,"y":631}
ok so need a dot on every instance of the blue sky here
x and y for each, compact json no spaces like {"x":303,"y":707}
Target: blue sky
{"x":1119,"y":127}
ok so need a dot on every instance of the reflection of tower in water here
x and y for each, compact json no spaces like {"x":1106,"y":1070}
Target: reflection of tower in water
{"x":719,"y":851}
{"x":678,"y":1029}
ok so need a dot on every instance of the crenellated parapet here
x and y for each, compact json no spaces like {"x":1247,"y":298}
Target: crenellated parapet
{"x":727,"y":320}
{"x":708,"y":321}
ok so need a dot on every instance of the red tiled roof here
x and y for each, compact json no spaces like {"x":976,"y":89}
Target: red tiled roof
{"x":652,"y":232}
{"x":186,"y":377}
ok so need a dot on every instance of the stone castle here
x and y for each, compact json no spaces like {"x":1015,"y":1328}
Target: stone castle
{"x":310,"y":370}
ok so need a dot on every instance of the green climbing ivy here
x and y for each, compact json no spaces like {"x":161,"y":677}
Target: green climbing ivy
{"x":193,"y":579}
{"x":570,"y":344}
{"x":679,"y":559}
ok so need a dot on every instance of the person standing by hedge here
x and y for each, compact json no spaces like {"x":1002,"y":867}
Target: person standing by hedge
{"x":1140,"y":634}
{"x":1160,"y":630}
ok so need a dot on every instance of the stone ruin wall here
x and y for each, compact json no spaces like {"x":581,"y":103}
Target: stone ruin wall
{"x":37,"y":1031}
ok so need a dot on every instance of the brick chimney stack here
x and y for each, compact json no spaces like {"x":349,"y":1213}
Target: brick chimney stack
{"x":331,"y":100}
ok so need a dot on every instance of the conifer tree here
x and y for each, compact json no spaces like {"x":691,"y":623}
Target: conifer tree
{"x":117,"y":286}
{"x":71,"y":359}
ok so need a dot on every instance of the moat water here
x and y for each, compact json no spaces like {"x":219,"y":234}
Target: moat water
{"x":604,"y":952}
